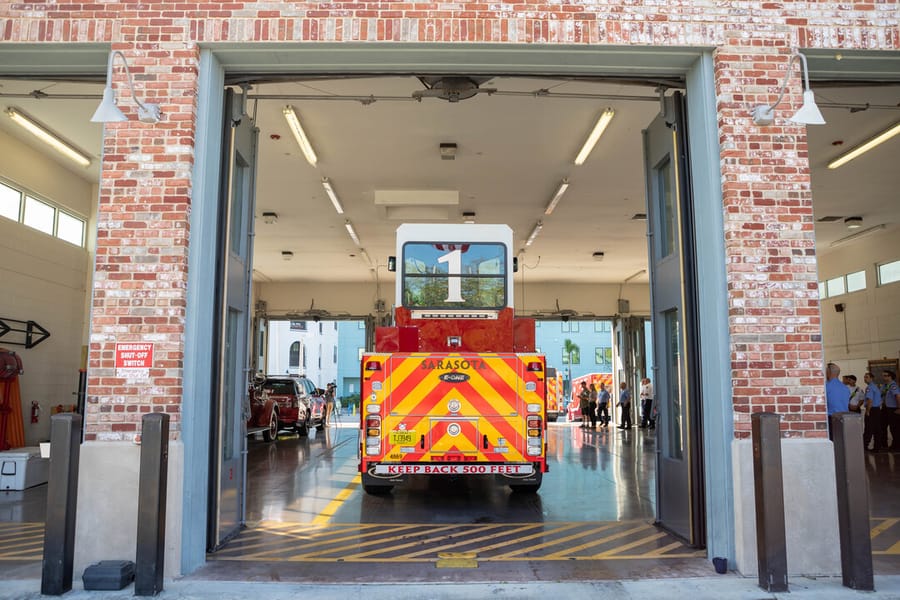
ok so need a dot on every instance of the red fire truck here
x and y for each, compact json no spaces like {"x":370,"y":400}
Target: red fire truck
{"x":454,"y":387}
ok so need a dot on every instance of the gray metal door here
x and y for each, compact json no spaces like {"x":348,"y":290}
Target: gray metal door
{"x":680,"y":501}
{"x":232,"y":343}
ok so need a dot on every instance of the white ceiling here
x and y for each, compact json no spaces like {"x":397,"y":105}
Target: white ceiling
{"x":514,"y":148}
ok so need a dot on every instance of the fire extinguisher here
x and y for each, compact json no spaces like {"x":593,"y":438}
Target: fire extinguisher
{"x":35,"y":411}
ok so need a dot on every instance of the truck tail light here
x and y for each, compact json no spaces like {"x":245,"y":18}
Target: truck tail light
{"x":534,"y":440}
{"x":373,"y":435}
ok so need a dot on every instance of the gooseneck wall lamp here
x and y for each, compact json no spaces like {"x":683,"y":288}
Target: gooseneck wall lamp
{"x":108,"y":112}
{"x":808,"y":114}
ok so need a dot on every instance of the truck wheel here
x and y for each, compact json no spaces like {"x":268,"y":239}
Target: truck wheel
{"x":302,"y":430}
{"x":271,"y":432}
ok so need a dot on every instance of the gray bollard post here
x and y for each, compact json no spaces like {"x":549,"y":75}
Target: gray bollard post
{"x":149,"y":563}
{"x":852,"y":501}
{"x":62,"y":500}
{"x":771,"y":546}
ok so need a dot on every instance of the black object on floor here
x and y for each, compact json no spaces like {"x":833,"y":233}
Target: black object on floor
{"x":108,"y":575}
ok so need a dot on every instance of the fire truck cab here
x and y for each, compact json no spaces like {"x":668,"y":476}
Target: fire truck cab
{"x":454,"y":387}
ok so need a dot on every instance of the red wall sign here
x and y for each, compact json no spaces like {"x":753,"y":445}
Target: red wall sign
{"x":134,"y":356}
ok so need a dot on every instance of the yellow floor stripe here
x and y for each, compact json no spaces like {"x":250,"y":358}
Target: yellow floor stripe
{"x":882,"y":527}
{"x":331,"y":540}
{"x":325,"y":516}
{"x":540,"y":534}
{"x":600,"y":541}
{"x":615,"y":551}
{"x":662,"y":551}
{"x":476,"y":540}
{"x":395,"y":547}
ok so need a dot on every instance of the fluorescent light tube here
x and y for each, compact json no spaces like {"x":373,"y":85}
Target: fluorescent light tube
{"x":534,"y":233}
{"x":305,"y":146}
{"x":352,"y":232}
{"x":878,"y":139}
{"x":334,"y":199}
{"x":598,"y":130}
{"x":556,"y":197}
{"x":48,"y":137}
{"x":857,"y":235}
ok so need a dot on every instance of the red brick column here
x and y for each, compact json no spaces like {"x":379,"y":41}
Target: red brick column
{"x":140,"y":280}
{"x":774,"y":320}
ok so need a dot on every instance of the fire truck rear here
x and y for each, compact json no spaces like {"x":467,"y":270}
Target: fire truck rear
{"x":454,"y":387}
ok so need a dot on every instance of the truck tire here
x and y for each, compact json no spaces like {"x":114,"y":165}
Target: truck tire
{"x":302,"y":429}
{"x":271,"y":432}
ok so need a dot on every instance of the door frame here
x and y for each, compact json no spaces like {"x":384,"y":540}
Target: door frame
{"x":219,"y":61}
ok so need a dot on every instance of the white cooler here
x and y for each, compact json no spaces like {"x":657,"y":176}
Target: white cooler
{"x":23,"y":468}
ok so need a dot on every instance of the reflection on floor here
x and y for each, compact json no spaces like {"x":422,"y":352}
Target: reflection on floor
{"x":592,"y":519}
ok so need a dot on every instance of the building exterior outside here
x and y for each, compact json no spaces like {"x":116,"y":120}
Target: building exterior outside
{"x":352,"y":336}
{"x":593,"y":339}
{"x":307,"y":348}
{"x":757,"y":208}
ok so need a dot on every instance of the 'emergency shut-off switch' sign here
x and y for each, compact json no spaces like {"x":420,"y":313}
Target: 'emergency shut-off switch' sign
{"x":133,"y":360}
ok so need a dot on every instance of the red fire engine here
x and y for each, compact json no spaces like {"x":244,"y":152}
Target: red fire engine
{"x":454,"y":387}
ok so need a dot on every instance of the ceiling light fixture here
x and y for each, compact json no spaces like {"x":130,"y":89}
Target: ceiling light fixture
{"x":605,"y":117}
{"x":351,"y":232}
{"x":329,"y":189}
{"x":598,"y":256}
{"x":468,"y":217}
{"x":853,"y":222}
{"x":857,"y":235}
{"x":865,"y":147}
{"x":534,"y":233}
{"x":108,"y":112}
{"x":287,"y":255}
{"x":809,"y":113}
{"x":556,"y":197}
{"x":300,"y":135}
{"x":43,"y":133}
{"x":270,"y":218}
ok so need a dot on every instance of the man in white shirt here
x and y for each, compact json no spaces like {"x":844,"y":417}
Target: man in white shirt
{"x":647,"y":419}
{"x":857,"y":396}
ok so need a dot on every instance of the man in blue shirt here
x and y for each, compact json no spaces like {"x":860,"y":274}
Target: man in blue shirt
{"x":625,"y":404}
{"x":889,"y":406}
{"x":837,"y":396}
{"x":872,"y":411}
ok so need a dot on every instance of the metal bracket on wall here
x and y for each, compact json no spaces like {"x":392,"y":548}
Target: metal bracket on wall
{"x":33,"y":333}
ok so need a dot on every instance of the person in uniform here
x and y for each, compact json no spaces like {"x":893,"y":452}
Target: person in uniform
{"x":647,"y":419}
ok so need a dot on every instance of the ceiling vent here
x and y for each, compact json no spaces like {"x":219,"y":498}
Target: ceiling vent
{"x":639,"y":217}
{"x":452,"y":88}
{"x":829,"y":219}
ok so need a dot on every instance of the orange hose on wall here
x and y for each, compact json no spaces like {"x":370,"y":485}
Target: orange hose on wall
{"x":15,"y":426}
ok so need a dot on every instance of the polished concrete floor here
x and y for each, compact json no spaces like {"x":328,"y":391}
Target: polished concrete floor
{"x":308,"y":518}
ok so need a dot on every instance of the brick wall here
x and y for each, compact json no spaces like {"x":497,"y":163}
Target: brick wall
{"x":139,"y":291}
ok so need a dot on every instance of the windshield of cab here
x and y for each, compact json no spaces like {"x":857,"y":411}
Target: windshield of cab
{"x":454,"y":275}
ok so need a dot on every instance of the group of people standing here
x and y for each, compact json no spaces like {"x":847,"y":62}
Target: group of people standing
{"x":594,"y":405}
{"x":879,"y":403}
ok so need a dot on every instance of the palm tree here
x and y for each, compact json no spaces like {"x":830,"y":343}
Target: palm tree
{"x":570,"y":348}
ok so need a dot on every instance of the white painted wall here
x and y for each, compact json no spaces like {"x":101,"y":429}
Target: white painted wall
{"x":872,"y":318}
{"x":46,"y":280}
